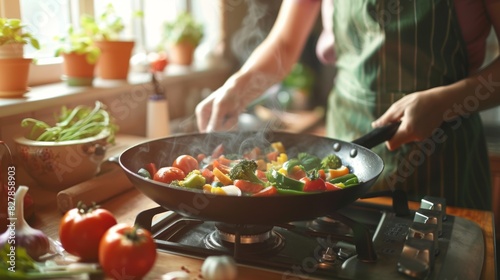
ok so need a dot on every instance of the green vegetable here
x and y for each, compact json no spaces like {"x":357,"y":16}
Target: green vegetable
{"x":351,"y":182}
{"x":16,"y":269}
{"x":291,"y":192}
{"x":331,"y":162}
{"x":289,"y":165}
{"x":309,"y":161}
{"x":245,"y":170}
{"x":193,"y":180}
{"x":78,"y":123}
{"x":343,"y":179}
{"x":144,"y":173}
{"x":283,"y":182}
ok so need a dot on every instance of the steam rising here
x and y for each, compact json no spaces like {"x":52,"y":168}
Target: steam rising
{"x":250,"y":35}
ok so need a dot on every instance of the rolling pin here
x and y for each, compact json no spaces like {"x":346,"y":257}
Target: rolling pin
{"x":110,"y":182}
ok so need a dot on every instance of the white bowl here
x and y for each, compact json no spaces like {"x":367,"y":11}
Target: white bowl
{"x":59,"y":165}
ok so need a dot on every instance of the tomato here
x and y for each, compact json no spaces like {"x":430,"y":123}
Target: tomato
{"x":269,"y":191}
{"x":313,"y":184}
{"x":151,"y":168}
{"x":208,"y":174}
{"x":247,"y":186}
{"x":297,"y":172}
{"x":159,"y":63}
{"x":81,"y":230}
{"x":186,"y":163}
{"x":127,"y":252}
{"x":169,"y":174}
{"x":332,"y":187}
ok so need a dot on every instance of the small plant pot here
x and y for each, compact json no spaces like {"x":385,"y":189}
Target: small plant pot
{"x":14,"y":76}
{"x":13,"y":50}
{"x":114,"y":61}
{"x":182,"y":53}
{"x":77,"y":71}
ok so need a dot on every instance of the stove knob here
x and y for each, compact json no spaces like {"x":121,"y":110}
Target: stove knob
{"x":329,"y":255}
{"x":345,"y":250}
{"x":434,"y":203}
{"x":425,"y":231}
{"x":417,"y":258}
{"x":426,"y":216}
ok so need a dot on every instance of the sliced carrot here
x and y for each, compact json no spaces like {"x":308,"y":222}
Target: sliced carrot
{"x":223,"y":178}
{"x":334,"y":173}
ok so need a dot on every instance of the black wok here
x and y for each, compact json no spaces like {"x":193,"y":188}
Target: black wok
{"x":366,"y":164}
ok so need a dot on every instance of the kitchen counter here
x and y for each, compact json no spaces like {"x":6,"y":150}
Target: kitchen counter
{"x":128,"y":204}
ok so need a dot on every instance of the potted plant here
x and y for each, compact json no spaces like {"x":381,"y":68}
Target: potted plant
{"x":181,"y":37}
{"x":14,"y":67}
{"x":114,"y":61}
{"x":80,"y":55}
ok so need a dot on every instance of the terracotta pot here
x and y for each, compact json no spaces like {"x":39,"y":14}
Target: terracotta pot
{"x":77,"y":71}
{"x":182,"y":53}
{"x":14,"y":76}
{"x":12,"y":50}
{"x":114,"y":61}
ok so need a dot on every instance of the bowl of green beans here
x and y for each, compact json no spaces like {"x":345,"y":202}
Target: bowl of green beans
{"x":70,"y":151}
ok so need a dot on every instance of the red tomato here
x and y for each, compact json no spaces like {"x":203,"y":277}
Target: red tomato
{"x":81,"y":230}
{"x":332,"y":187}
{"x":151,"y":168}
{"x":313,"y":185}
{"x":169,"y":174}
{"x":186,"y":163}
{"x":127,"y":252}
{"x":269,"y":191}
{"x":247,"y":186}
{"x":208,"y":174}
{"x":297,"y":173}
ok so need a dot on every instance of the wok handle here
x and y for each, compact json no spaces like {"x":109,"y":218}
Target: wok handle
{"x":378,"y":135}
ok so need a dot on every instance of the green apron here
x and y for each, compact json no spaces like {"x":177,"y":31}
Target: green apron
{"x":386,"y":49}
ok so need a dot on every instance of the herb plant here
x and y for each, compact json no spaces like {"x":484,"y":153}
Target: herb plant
{"x":183,"y":29}
{"x":79,"y":43}
{"x":11,"y":31}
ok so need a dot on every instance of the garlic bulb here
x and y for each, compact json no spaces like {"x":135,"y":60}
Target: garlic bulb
{"x":19,"y":233}
{"x":219,"y":268}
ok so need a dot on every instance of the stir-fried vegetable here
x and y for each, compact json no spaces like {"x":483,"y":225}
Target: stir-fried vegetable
{"x":264,"y":172}
{"x":73,"y":124}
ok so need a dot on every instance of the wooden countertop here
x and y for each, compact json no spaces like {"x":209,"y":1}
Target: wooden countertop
{"x":128,"y":204}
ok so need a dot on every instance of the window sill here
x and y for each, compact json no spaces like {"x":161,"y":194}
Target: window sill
{"x":57,"y":94}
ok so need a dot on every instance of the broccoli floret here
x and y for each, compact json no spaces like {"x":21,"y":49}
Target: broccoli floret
{"x":331,"y":162}
{"x":245,"y":170}
{"x":193,"y":180}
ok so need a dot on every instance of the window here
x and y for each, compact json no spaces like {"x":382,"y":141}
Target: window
{"x":49,"y":18}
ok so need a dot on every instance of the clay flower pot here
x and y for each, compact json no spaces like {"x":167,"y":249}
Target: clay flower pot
{"x":114,"y":61}
{"x":14,"y":76}
{"x":182,"y":53}
{"x":77,"y":70}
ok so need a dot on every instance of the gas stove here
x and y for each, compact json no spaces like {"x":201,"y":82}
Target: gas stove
{"x":361,"y":241}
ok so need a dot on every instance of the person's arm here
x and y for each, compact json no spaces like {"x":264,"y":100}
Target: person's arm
{"x":268,"y":64}
{"x":421,"y":113}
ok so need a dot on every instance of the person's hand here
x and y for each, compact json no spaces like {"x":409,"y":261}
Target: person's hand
{"x":221,"y":109}
{"x":420,"y":114}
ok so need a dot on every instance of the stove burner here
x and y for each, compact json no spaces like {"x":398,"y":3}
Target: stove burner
{"x":248,"y":234}
{"x":330,"y":225}
{"x":252,"y":239}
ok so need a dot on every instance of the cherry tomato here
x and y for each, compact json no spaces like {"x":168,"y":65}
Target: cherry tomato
{"x":297,"y":173}
{"x":269,"y":191}
{"x":169,"y":174}
{"x":332,"y":187}
{"x":313,"y":184}
{"x":127,"y":252}
{"x":81,"y":230}
{"x":208,"y":174}
{"x":186,"y":163}
{"x":247,"y":186}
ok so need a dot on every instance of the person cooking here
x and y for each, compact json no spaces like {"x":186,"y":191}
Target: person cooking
{"x":413,"y":62}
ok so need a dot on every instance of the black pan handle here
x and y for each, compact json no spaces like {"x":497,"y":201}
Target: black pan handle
{"x":378,"y":135}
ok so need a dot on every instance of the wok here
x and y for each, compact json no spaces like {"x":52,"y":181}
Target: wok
{"x":247,"y":210}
